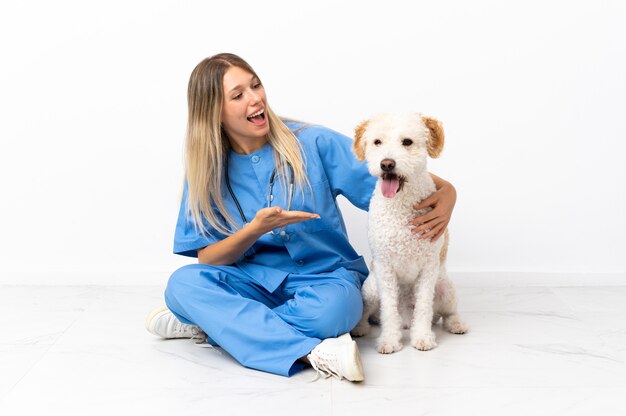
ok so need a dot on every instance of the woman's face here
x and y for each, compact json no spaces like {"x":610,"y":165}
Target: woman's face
{"x":243,"y":112}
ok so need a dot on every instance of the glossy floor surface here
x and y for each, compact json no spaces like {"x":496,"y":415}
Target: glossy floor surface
{"x":531,"y":351}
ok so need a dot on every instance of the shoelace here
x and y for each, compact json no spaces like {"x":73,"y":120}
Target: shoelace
{"x":322,"y":368}
{"x":196,"y":332}
{"x":198,"y":335}
{"x":200,"y":340}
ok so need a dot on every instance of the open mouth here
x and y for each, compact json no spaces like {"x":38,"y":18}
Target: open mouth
{"x":257,"y":118}
{"x":392,"y":184}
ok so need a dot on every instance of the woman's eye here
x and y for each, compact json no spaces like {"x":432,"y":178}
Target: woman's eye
{"x":407,"y":142}
{"x":255,"y":86}
{"x":236,"y":97}
{"x":377,"y":142}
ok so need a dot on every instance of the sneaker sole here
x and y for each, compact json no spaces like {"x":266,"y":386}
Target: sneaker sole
{"x":357,"y":367}
{"x":158,"y":311}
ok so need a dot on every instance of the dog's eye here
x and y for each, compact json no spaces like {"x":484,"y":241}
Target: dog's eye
{"x":377,"y":142}
{"x":407,"y":142}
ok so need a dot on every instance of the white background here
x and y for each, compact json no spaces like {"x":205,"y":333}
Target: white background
{"x":93,"y":117}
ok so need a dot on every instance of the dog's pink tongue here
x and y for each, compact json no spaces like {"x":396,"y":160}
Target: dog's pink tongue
{"x":390,"y":187}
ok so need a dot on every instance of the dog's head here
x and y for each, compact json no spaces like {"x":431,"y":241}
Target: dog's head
{"x":396,"y":147}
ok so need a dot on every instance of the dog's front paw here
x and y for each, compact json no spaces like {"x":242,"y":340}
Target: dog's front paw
{"x":362,"y":329}
{"x":455,"y":325}
{"x":424,"y":342}
{"x":388,"y":346}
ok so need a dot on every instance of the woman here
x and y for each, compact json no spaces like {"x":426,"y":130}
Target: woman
{"x":277,"y":281}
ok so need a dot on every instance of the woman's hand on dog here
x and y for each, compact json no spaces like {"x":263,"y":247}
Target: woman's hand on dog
{"x":434,"y":222}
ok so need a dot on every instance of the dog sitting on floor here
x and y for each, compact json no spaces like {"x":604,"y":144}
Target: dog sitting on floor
{"x":408,"y":280}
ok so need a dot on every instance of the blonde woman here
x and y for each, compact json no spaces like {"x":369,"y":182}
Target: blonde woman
{"x":277,"y":284}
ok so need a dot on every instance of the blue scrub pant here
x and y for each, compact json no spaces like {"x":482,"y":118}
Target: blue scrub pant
{"x":262,"y":330}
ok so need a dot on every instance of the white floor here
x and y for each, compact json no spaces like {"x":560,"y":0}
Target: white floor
{"x":531,"y":351}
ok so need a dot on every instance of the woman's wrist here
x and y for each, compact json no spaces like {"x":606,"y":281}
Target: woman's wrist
{"x":449,"y":188}
{"x":439,"y":183}
{"x":253,"y":229}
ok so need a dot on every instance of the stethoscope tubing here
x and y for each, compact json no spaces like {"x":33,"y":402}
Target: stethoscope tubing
{"x":270,"y":195}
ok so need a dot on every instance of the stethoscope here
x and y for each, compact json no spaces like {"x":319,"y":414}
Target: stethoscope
{"x":270,"y":196}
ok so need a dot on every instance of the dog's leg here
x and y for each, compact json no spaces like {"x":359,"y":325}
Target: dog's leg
{"x":406,"y":305}
{"x":390,"y":339}
{"x":422,"y":335}
{"x":446,"y":305}
{"x":370,"y":305}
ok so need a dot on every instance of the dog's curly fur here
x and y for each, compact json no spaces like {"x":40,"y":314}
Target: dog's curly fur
{"x":408,"y":279}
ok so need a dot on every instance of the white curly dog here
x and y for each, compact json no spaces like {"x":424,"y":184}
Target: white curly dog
{"x":408,"y":278}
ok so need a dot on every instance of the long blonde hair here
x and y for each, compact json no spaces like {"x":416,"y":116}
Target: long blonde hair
{"x":207,"y":145}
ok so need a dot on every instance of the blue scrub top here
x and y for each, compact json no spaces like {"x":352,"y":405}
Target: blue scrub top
{"x":314,"y":246}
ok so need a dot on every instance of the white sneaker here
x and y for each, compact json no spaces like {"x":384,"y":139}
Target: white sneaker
{"x":162,"y":323}
{"x":337,"y":357}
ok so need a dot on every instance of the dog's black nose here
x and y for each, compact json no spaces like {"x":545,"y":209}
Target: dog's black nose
{"x":387,"y":165}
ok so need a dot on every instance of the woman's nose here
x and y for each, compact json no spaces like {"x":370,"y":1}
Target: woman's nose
{"x":254,"y":97}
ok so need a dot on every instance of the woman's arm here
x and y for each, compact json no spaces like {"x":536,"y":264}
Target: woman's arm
{"x":442,"y":202}
{"x":230,"y":249}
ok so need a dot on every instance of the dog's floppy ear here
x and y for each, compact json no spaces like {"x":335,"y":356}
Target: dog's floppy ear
{"x":435,"y":144}
{"x":359,"y":146}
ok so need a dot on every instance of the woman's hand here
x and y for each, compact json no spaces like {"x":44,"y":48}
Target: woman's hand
{"x":435,"y":221}
{"x":230,"y":249}
{"x":268,"y":219}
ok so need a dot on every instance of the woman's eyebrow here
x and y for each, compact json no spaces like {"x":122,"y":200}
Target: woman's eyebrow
{"x":239,"y":86}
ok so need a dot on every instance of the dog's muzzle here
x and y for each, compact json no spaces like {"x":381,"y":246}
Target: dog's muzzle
{"x":392,"y":182}
{"x":387,"y":165}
